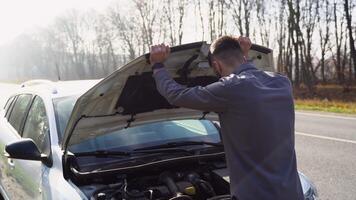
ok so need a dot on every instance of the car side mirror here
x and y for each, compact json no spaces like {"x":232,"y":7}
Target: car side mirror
{"x":25,"y":149}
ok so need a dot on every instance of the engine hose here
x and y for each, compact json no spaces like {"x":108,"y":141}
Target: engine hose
{"x":167,"y":179}
{"x":181,"y":197}
{"x":200,"y":184}
{"x":221,"y":197}
{"x":207,"y":187}
{"x":111,"y":187}
{"x":129,"y":194}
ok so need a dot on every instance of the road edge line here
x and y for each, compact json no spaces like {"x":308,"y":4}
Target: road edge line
{"x":325,"y":137}
{"x":325,"y":115}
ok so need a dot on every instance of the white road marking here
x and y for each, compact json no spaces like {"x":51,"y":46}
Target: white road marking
{"x":328,"y":116}
{"x":326,"y":137}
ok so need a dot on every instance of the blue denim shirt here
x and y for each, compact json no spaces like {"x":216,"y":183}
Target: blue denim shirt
{"x":256,"y":112}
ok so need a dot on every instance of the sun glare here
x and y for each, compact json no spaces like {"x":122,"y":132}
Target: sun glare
{"x":18,"y":16}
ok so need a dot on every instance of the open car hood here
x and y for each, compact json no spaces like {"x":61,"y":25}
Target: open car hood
{"x":128,"y":96}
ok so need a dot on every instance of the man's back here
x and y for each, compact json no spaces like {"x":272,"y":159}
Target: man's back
{"x":257,"y":121}
{"x":258,"y":134}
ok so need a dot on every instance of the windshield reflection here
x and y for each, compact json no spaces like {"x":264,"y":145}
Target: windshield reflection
{"x":137,"y":136}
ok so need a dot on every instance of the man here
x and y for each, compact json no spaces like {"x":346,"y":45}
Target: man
{"x":256,"y":114}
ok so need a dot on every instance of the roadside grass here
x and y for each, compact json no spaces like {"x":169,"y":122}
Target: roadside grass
{"x":326,"y":106}
{"x":326,"y":98}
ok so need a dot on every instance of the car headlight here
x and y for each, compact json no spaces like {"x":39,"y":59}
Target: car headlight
{"x":309,"y":189}
{"x":311,"y":194}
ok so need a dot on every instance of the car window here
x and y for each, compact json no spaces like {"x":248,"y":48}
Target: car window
{"x":19,"y":111}
{"x":8,"y":102}
{"x":63,"y":108}
{"x":36,"y":126}
{"x":8,"y":106}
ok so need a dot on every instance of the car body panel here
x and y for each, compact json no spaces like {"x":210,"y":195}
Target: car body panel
{"x":17,"y":175}
{"x":26,"y":179}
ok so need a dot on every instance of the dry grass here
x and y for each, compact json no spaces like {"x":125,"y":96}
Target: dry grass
{"x":326,"y":106}
{"x":327,"y":92}
{"x":327,"y":98}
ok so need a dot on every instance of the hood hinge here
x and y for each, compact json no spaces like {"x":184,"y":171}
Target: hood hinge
{"x":204,"y":114}
{"x":130,"y":120}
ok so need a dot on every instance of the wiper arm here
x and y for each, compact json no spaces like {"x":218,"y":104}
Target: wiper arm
{"x":102,"y":153}
{"x":179,"y":144}
{"x":107,"y":153}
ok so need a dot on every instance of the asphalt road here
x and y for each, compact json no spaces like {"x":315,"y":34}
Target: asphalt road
{"x":326,"y":153}
{"x":325,"y":147}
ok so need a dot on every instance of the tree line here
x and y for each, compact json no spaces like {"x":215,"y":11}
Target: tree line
{"x":313,"y":40}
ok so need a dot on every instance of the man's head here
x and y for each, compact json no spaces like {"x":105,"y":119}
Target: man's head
{"x":225,"y":55}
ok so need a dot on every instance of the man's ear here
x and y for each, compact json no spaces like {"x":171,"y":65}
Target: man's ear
{"x":215,"y":67}
{"x":218,"y":67}
{"x":215,"y":64}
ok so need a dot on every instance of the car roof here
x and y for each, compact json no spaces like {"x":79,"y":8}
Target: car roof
{"x":57,"y":89}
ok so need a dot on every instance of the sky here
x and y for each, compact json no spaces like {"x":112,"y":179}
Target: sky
{"x":19,"y":16}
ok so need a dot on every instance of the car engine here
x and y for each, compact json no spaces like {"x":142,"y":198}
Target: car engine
{"x":198,"y":184}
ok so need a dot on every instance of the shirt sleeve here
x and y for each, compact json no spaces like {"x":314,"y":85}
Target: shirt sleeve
{"x":209,"y":98}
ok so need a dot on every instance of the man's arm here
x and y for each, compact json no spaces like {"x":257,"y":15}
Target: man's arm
{"x":209,"y":98}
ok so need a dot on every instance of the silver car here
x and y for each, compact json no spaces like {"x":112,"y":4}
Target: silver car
{"x":117,"y":138}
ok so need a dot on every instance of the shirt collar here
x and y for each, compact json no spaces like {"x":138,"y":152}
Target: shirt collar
{"x":244,"y":67}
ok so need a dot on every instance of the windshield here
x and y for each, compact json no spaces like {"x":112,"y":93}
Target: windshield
{"x":151,"y":134}
{"x":137,"y":136}
{"x":63,"y":108}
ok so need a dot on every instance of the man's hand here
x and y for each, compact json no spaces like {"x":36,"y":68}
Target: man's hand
{"x":245,"y":44}
{"x":159,"y":53}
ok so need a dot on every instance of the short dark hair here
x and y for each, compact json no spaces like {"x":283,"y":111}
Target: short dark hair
{"x":226,"y":48}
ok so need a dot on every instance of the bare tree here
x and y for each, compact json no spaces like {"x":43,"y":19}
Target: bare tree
{"x":91,"y":45}
{"x":174,"y":14}
{"x":241,"y":12}
{"x":126,"y":30}
{"x":264,"y":22}
{"x":351,"y":38}
{"x":53,"y":52}
{"x":339,"y":32}
{"x":308,"y":20}
{"x":221,"y":16}
{"x":148,"y":13}
{"x":212,"y":15}
{"x":105,"y":37}
{"x":293,"y":26}
{"x":170,"y":16}
{"x":181,"y":8}
{"x":324,"y":32}
{"x":283,"y":58}
{"x":71,"y":26}
{"x":201,"y":19}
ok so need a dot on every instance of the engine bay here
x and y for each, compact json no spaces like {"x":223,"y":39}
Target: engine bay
{"x":176,"y":184}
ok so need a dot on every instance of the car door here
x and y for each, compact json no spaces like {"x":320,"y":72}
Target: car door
{"x":29,"y":173}
{"x":3,"y":123}
{"x":10,"y":130}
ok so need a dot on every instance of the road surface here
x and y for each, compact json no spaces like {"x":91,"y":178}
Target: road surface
{"x":325,"y":147}
{"x":326,"y":153}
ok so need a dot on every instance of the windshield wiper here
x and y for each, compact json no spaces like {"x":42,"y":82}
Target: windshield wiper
{"x":179,"y":144}
{"x":108,"y":153}
{"x":103,"y":153}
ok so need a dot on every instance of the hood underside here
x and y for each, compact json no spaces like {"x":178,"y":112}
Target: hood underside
{"x":128,"y":96}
